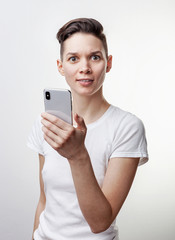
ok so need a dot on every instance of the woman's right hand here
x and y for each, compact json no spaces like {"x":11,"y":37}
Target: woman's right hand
{"x":67,"y":140}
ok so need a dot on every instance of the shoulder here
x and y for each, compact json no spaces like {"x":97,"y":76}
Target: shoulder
{"x":124,"y":119}
{"x":37,"y":125}
{"x":35,"y":138}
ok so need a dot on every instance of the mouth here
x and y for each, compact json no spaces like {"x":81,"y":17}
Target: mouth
{"x":85,"y":80}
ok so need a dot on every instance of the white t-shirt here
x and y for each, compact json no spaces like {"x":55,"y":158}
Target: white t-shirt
{"x":116,"y":134}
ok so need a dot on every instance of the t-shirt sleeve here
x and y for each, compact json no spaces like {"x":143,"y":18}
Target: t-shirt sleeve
{"x":35,"y":139}
{"x":130,"y":140}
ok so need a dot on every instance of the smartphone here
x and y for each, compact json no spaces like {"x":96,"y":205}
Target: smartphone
{"x":58,"y":102}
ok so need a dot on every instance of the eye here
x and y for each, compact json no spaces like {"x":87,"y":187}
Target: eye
{"x":95,"y":57}
{"x":73,"y":59}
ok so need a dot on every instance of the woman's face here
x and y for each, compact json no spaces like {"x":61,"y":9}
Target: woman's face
{"x":84,"y":64}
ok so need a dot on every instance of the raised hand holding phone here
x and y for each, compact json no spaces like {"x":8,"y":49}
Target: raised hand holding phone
{"x":67,"y":140}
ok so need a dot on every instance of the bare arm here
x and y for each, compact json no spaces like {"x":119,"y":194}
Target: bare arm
{"x":42,"y":199}
{"x":99,"y":206}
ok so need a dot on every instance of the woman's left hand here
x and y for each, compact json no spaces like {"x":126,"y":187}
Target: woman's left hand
{"x":67,"y":140}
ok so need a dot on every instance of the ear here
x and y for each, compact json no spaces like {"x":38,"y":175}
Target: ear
{"x":109,"y":63}
{"x":60,"y":67}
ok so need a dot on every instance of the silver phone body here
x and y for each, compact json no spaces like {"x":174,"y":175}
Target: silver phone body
{"x":58,"y":102}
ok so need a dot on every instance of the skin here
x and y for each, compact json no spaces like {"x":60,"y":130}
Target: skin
{"x":86,"y":60}
{"x":84,"y":66}
{"x":42,"y":198}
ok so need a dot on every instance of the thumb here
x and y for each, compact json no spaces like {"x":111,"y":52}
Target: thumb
{"x":80,"y":122}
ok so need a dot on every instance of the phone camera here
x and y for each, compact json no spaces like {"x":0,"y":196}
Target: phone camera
{"x":48,"y":95}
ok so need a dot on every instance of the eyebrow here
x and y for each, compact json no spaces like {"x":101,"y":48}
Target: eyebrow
{"x":96,"y":52}
{"x":71,"y":53}
{"x":91,"y":53}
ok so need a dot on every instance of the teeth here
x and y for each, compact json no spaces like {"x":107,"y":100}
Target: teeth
{"x":85,"y":80}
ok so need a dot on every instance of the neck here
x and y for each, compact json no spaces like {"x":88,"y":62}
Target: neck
{"x":91,"y":108}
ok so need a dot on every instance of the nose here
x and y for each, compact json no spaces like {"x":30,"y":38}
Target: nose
{"x":85,"y":67}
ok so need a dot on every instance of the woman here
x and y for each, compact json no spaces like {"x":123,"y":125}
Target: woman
{"x":85,"y":171}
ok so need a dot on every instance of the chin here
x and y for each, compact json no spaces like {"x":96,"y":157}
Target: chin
{"x":82,"y":92}
{"x":88,"y":92}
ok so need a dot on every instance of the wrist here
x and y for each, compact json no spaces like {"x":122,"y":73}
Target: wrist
{"x":80,"y":156}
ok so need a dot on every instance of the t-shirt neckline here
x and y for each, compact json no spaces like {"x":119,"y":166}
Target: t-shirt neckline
{"x":98,"y":121}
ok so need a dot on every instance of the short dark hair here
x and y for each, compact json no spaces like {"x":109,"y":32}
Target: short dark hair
{"x":84,"y":25}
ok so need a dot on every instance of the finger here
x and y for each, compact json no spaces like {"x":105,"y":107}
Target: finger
{"x":53,"y":144}
{"x":62,"y":133}
{"x":49,"y":134}
{"x":80,"y":122}
{"x":55,"y":120}
{"x":51,"y":126}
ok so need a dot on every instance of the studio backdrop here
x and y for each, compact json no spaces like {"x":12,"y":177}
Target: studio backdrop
{"x":141,"y":37}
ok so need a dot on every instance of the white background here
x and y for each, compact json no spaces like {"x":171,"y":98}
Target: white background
{"x":141,"y":38}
